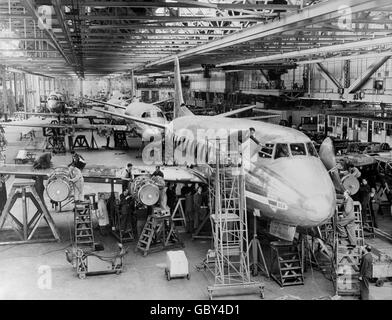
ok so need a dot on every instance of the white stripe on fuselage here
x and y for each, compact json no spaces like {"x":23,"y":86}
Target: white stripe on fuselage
{"x":272,"y":203}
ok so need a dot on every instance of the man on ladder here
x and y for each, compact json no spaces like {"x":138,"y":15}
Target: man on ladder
{"x":346,"y":222}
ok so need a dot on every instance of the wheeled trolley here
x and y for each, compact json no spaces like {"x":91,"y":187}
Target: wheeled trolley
{"x":177,"y":265}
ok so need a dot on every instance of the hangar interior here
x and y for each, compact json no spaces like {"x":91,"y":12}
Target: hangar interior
{"x":291,"y":202}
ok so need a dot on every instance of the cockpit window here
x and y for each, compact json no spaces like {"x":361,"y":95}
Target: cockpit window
{"x":146,"y":115}
{"x":311,"y":150}
{"x":282,"y":151}
{"x":297,"y":149}
{"x":266,"y":151}
{"x":160,"y":114}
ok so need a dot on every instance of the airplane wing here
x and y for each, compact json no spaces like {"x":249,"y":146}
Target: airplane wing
{"x":106,"y":103}
{"x":161,"y":101}
{"x":55,"y":115}
{"x":137,"y":119}
{"x":264,"y":117}
{"x":233,"y":112}
{"x":97,"y":174}
{"x":59,"y":126}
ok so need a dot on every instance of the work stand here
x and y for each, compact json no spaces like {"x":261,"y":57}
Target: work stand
{"x":158,"y":234}
{"x":257,"y":262}
{"x":27,"y":230}
{"x":178,"y":214}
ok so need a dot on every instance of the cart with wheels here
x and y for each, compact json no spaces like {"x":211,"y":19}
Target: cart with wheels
{"x":176,"y":265}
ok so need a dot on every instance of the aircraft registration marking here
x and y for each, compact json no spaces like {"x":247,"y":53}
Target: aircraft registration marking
{"x":273,"y":203}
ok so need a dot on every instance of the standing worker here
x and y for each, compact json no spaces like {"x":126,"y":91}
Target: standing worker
{"x":365,"y":272}
{"x":171,"y":197}
{"x":364,"y":198}
{"x":197,"y":203}
{"x":346,"y":222}
{"x":189,"y":209}
{"x":127,"y":177}
{"x":78,"y":181}
{"x":102,"y":215}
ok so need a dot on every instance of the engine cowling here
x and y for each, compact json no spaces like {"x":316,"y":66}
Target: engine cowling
{"x":145,"y":190}
{"x":59,"y":187}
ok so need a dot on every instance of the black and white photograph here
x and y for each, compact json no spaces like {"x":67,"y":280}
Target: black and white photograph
{"x":196,"y":157}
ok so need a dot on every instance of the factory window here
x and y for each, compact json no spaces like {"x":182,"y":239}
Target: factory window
{"x":338,"y":121}
{"x":146,"y":115}
{"x":266,"y":151}
{"x":311,"y":150}
{"x":388,"y":127}
{"x":298,"y":149}
{"x":332,"y":121}
{"x":378,"y":126}
{"x":364,"y":126}
{"x":282,"y":151}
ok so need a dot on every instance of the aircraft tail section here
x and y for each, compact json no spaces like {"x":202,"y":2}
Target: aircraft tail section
{"x":178,"y":111}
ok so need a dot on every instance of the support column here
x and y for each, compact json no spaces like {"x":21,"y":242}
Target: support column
{"x":81,"y":88}
{"x":24,"y":93}
{"x":4,"y":103}
{"x":346,"y":71}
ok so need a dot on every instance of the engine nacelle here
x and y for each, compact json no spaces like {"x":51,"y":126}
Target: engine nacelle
{"x":59,"y":187}
{"x":146,"y":190}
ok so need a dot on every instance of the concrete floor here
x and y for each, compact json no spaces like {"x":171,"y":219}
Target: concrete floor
{"x":143,"y":277}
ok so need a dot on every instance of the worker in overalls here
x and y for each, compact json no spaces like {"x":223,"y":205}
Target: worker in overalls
{"x":102,"y":215}
{"x":127,"y":177}
{"x":189,"y":213}
{"x":78,"y":181}
{"x":197,"y":203}
{"x":346,"y":222}
{"x":365,"y":272}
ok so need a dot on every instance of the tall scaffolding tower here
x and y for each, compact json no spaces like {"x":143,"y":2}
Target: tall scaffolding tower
{"x":228,"y":218}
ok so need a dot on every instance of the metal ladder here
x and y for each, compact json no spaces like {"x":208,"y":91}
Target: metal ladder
{"x":368,"y":223}
{"x":158,"y":234}
{"x":84,"y":236}
{"x":347,"y":261}
{"x":229,"y":226}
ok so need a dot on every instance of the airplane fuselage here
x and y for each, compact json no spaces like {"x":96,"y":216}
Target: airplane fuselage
{"x":292,"y":188}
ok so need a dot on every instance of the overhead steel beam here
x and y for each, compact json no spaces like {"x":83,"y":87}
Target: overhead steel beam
{"x":309,"y":15}
{"x":30,"y":7}
{"x":328,"y":76}
{"x":181,"y":4}
{"x":358,"y":84}
{"x":251,"y":18}
{"x":60,"y":17}
{"x":347,"y":57}
{"x":159,"y":27}
{"x":319,"y":50}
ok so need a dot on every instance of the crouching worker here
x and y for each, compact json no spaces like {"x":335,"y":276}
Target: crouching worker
{"x":102,"y":215}
{"x":346,"y":222}
{"x":78,"y":181}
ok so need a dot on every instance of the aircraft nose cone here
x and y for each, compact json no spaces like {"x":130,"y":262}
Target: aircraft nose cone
{"x":318,"y":209}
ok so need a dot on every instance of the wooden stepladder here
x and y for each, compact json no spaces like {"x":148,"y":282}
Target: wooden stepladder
{"x":286,"y":265}
{"x":178,"y":213}
{"x":27,"y":227}
{"x":158,"y":234}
